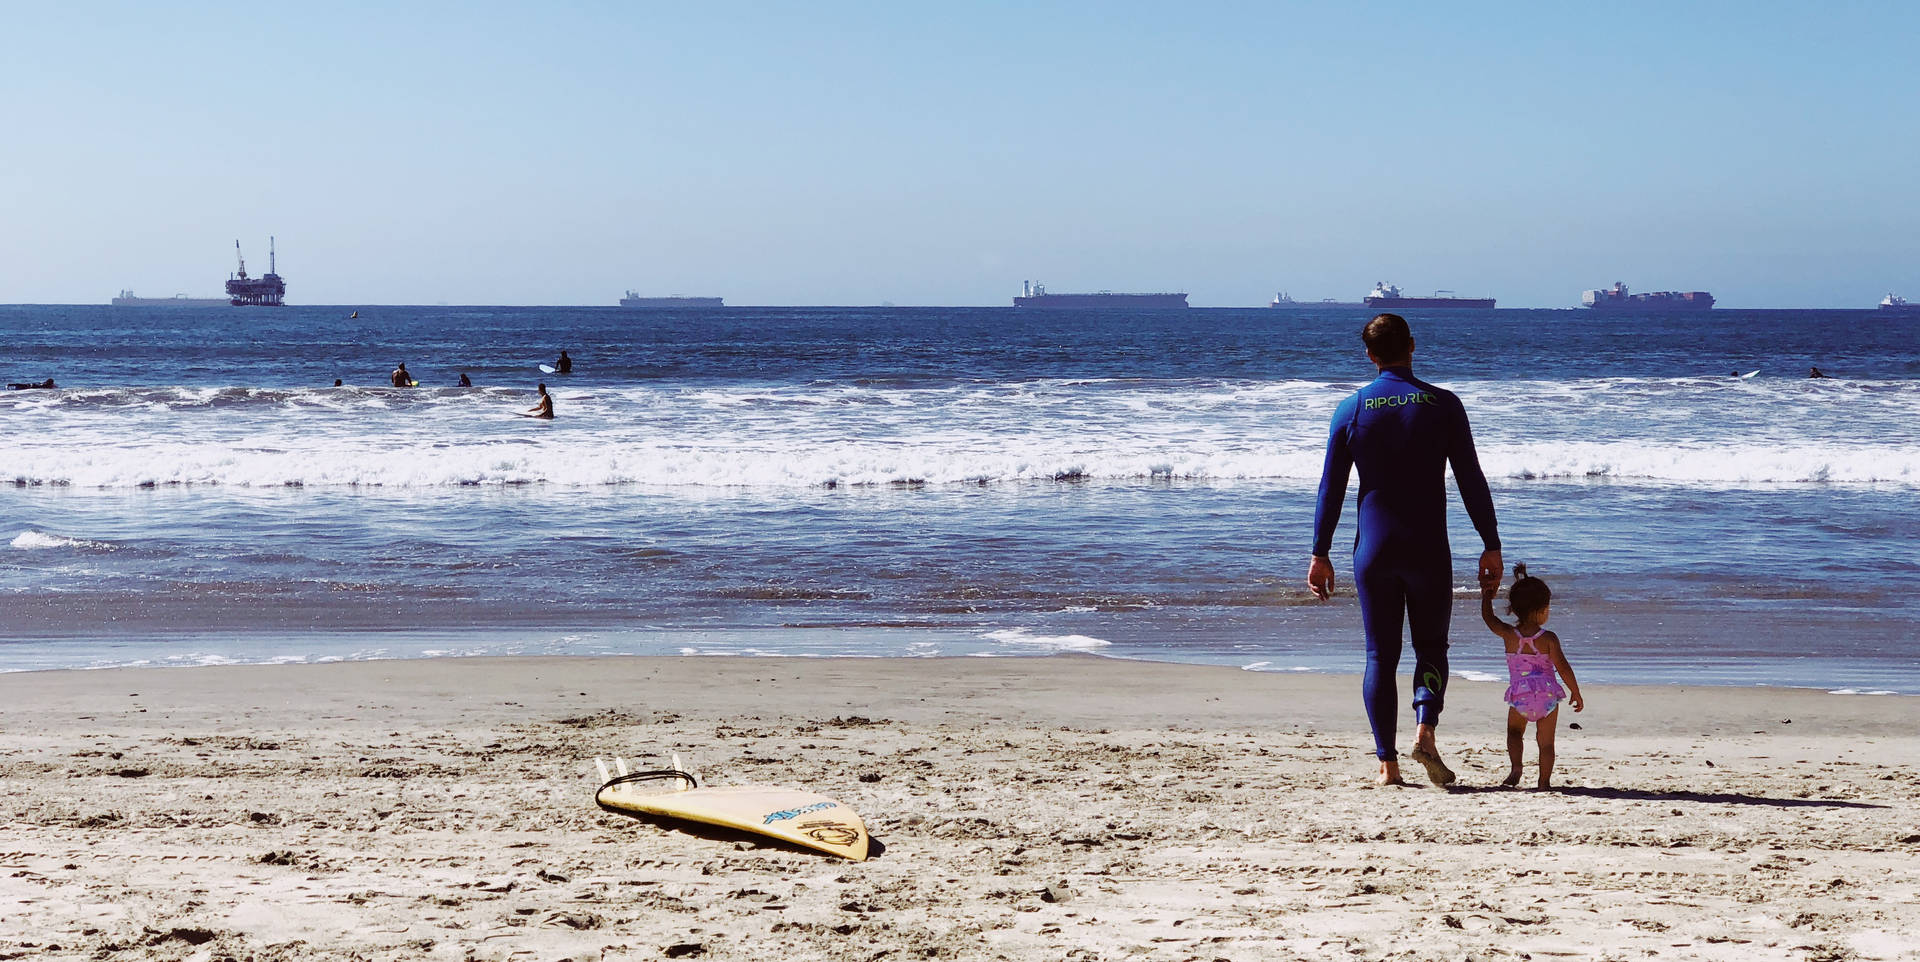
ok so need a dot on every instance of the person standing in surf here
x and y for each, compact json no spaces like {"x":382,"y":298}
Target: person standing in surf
{"x":1402,"y":433}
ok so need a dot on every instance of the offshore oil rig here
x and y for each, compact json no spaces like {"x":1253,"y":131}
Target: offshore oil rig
{"x":263,"y":291}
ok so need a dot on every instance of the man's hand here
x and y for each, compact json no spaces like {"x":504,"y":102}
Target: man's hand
{"x":1491,"y":570}
{"x":1320,"y":577}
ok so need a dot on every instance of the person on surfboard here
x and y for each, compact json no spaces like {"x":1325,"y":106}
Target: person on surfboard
{"x":1402,"y":433}
{"x":542,"y":410}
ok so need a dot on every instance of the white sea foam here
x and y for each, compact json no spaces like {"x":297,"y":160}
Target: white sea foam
{"x":1471,"y":675}
{"x":1024,"y":638}
{"x":1859,"y":691}
{"x":1668,"y":431}
{"x":30,"y":539}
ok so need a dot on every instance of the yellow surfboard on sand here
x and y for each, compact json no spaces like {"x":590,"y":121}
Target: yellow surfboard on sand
{"x":790,"y":815}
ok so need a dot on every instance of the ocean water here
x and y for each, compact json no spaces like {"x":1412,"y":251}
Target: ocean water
{"x":904,"y":482}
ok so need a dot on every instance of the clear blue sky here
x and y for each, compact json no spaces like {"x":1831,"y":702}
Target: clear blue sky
{"x":850,"y":153}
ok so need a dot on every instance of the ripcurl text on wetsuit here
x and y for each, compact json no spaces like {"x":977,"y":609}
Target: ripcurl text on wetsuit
{"x":1401,"y":433}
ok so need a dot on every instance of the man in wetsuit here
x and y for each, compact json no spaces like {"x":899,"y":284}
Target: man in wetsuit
{"x":1402,"y":433}
{"x":564,"y":365}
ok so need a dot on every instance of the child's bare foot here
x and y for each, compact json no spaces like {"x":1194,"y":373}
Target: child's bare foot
{"x":1512,"y":779}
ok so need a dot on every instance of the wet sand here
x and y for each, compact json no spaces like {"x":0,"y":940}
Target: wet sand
{"x":1046,"y":808}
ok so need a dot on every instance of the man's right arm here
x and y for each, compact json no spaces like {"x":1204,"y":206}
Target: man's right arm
{"x":1333,"y":480}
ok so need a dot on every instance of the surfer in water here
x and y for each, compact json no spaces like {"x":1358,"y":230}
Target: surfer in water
{"x":1402,"y":433}
{"x":400,"y":376}
{"x":564,"y":365}
{"x":465,"y":381}
{"x":542,"y":410}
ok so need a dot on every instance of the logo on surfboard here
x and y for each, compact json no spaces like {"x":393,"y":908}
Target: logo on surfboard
{"x":829,"y":833}
{"x":782,"y":816}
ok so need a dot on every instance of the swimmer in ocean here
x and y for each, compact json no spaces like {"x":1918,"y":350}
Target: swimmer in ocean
{"x":544,"y":409}
{"x":400,"y":376}
{"x":564,"y":365}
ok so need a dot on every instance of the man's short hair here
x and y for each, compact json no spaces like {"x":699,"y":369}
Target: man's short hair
{"x":1388,"y":338}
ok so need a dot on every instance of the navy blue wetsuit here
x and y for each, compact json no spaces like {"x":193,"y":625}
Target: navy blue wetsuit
{"x":1401,"y":432}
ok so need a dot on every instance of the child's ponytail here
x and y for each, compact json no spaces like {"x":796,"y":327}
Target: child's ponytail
{"x":1528,"y":594}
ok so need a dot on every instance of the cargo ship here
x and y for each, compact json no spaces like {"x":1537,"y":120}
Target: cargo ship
{"x":127,"y":299}
{"x":1387,"y":297}
{"x":1285,"y":301}
{"x":263,"y":291}
{"x":635,"y":300}
{"x":1895,"y":304}
{"x":1034,"y":294}
{"x":1617,"y":298}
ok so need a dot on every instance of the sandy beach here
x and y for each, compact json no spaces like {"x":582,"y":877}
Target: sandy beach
{"x":1065,"y":807}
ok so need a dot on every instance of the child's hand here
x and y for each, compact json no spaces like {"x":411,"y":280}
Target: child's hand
{"x":1489,"y":591}
{"x":1577,"y":702}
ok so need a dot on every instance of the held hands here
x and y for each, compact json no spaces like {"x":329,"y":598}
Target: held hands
{"x":1490,"y":570}
{"x":1320,"y":577}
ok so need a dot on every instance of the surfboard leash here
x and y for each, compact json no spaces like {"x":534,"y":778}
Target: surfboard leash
{"x":646,"y":776}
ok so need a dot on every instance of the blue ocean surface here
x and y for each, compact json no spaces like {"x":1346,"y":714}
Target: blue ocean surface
{"x":934,"y":481}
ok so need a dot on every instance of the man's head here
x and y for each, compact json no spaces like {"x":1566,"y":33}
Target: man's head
{"x":1389,"y":341}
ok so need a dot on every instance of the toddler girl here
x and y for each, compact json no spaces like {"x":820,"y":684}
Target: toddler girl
{"x":1533,"y":657}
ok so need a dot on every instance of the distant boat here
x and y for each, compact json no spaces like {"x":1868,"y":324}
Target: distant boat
{"x":1036,"y":295}
{"x":127,"y":299}
{"x":1285,"y":301}
{"x":1385,"y":295}
{"x":635,"y":300}
{"x":1617,"y":298}
{"x":1895,"y":304}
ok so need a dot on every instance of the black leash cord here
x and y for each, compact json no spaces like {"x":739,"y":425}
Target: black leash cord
{"x":646,"y":776}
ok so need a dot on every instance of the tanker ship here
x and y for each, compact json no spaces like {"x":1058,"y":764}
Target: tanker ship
{"x":127,"y":299}
{"x":1034,"y":294}
{"x":1387,"y":296}
{"x":263,"y":291}
{"x":635,"y":300}
{"x":1617,"y":298}
{"x":1285,"y":301}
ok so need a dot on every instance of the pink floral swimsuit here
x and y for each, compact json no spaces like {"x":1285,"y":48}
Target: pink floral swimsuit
{"x":1533,"y":689}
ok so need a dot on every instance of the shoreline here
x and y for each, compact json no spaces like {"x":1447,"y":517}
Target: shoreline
{"x":1467,"y":670}
{"x":1045,"y":807}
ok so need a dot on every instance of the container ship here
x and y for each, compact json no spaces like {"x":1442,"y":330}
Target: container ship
{"x":263,"y":291}
{"x":127,"y":299}
{"x":634,"y":300}
{"x":1385,"y":295}
{"x":1617,"y":298}
{"x":1895,"y":304}
{"x":1034,"y":294}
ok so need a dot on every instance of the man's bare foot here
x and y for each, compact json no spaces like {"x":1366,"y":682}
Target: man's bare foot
{"x":1512,"y":779}
{"x":1437,"y":770}
{"x":1543,"y":785}
{"x":1390,"y":774}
